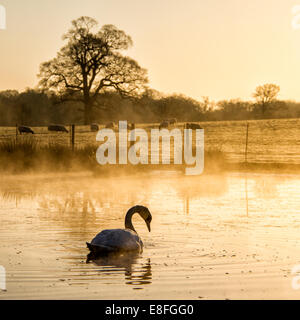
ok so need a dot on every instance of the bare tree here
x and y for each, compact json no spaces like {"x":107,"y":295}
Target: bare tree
{"x":91,"y":63}
{"x":266,"y":94}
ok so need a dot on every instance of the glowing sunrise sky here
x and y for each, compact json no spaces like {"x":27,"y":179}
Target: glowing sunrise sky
{"x":217,"y":48}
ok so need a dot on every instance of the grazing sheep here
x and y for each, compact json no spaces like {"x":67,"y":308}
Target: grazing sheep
{"x":193,"y":126}
{"x":110,"y":125}
{"x":94,"y":127}
{"x":23,"y":129}
{"x":164,"y":124}
{"x":58,"y":128}
{"x":131,"y":126}
{"x":173,"y":121}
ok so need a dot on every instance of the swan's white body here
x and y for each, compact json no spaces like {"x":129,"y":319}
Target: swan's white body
{"x":118,"y":240}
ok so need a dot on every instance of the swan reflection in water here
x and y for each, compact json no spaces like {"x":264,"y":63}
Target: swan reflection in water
{"x":136,"y":273}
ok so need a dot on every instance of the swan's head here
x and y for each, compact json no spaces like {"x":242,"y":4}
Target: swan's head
{"x":144,"y":213}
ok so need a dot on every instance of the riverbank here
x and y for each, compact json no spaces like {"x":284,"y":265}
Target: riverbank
{"x":28,"y":155}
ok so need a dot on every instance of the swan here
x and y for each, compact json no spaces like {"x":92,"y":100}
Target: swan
{"x":120,"y":240}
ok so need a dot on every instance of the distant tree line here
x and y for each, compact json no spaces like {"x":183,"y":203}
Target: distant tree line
{"x":35,"y":107}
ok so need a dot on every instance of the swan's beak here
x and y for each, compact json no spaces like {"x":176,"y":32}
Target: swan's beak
{"x":148,"y":226}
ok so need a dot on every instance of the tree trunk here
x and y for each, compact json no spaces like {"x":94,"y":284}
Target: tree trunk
{"x":87,"y":113}
{"x":87,"y":100}
{"x":263,"y":109}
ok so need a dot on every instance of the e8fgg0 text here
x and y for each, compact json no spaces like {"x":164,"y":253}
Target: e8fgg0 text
{"x":171,"y":309}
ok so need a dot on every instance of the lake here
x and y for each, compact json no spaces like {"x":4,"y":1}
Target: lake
{"x":231,"y":236}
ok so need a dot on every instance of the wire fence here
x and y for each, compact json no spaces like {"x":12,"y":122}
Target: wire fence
{"x":271,"y":141}
{"x":73,"y":136}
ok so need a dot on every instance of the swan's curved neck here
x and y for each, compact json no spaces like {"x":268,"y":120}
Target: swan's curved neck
{"x":128,"y":219}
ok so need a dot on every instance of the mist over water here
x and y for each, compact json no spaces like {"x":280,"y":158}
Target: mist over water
{"x":204,"y":243}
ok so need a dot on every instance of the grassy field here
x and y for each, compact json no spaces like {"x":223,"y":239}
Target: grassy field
{"x":271,"y":143}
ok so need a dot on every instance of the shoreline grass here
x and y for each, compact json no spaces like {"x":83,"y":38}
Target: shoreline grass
{"x":29,"y":155}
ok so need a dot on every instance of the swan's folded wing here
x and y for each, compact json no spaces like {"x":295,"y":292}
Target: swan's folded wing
{"x":99,"y":249}
{"x":118,"y":239}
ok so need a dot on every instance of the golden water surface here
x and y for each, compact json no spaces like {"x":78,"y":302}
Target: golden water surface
{"x":213,"y":236}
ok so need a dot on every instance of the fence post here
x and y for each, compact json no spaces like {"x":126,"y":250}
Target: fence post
{"x":246,"y":148}
{"x":16,"y":132}
{"x":73,"y":136}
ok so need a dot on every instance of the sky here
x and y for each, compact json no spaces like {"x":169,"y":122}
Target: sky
{"x":215,"y":48}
